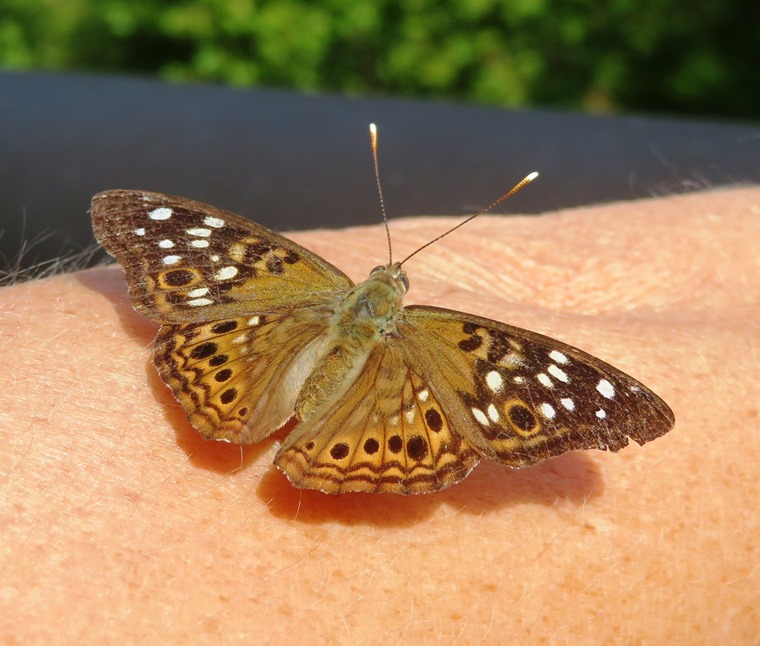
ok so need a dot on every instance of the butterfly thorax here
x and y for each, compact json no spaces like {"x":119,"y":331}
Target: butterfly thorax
{"x":364,"y":317}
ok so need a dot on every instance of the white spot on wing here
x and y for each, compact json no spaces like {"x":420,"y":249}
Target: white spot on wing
{"x":480,"y":416}
{"x":160,"y":214}
{"x":606,"y":389}
{"x":139,"y":232}
{"x":199,"y":244}
{"x":198,"y":302}
{"x":495,"y":381}
{"x":240,"y":338}
{"x":544,"y":379}
{"x":559,"y":357}
{"x":547,"y":410}
{"x":225,"y":273}
{"x":423,"y":395}
{"x":409,"y":416}
{"x":519,"y":380}
{"x":254,"y":320}
{"x":558,"y":373}
{"x":197,"y":293}
{"x":568,"y":403}
{"x":493,"y":413}
{"x":601,"y":413}
{"x":200,"y":232}
{"x":214,"y":258}
{"x":211,"y":221}
{"x":165,"y":244}
{"x":172,"y":260}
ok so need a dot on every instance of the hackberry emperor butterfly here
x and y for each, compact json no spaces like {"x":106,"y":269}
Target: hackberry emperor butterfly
{"x":256,"y":329}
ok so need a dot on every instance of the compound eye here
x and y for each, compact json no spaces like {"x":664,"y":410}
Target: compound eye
{"x":404,"y":282}
{"x":377,"y":269}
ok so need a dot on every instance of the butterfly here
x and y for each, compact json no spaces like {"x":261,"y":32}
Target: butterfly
{"x":255,"y":329}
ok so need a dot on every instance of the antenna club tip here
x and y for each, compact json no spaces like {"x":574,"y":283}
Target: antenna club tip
{"x":373,"y":129}
{"x":531,"y":176}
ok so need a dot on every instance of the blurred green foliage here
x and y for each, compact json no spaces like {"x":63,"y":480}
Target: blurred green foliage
{"x":699,"y":58}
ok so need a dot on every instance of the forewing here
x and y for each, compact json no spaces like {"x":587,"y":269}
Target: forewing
{"x":387,"y":433}
{"x":522,"y":397}
{"x":186,"y":261}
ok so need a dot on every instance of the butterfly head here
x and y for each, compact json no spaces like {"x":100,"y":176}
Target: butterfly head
{"x":371,"y":309}
{"x":393,"y":275}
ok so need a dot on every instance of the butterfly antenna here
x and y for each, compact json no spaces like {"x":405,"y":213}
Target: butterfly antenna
{"x":521,"y":184}
{"x":373,"y":144}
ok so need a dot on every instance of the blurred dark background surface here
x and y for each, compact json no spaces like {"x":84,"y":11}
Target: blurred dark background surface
{"x":291,"y":160}
{"x":469,"y":96}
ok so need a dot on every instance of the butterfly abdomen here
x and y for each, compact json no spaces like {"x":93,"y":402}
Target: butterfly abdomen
{"x":331,"y":377}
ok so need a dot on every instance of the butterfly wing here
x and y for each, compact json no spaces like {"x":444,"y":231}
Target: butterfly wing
{"x":521,"y":397}
{"x":386,"y":433}
{"x":186,"y":261}
{"x":451,"y":388}
{"x":238,"y":379}
{"x":244,"y":311}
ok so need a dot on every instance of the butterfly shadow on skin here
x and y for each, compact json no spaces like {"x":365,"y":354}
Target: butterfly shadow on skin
{"x":108,"y":281}
{"x":212,"y":455}
{"x":220,"y":457}
{"x":573,"y":477}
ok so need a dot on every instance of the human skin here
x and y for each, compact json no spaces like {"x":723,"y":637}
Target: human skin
{"x":120,"y":523}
